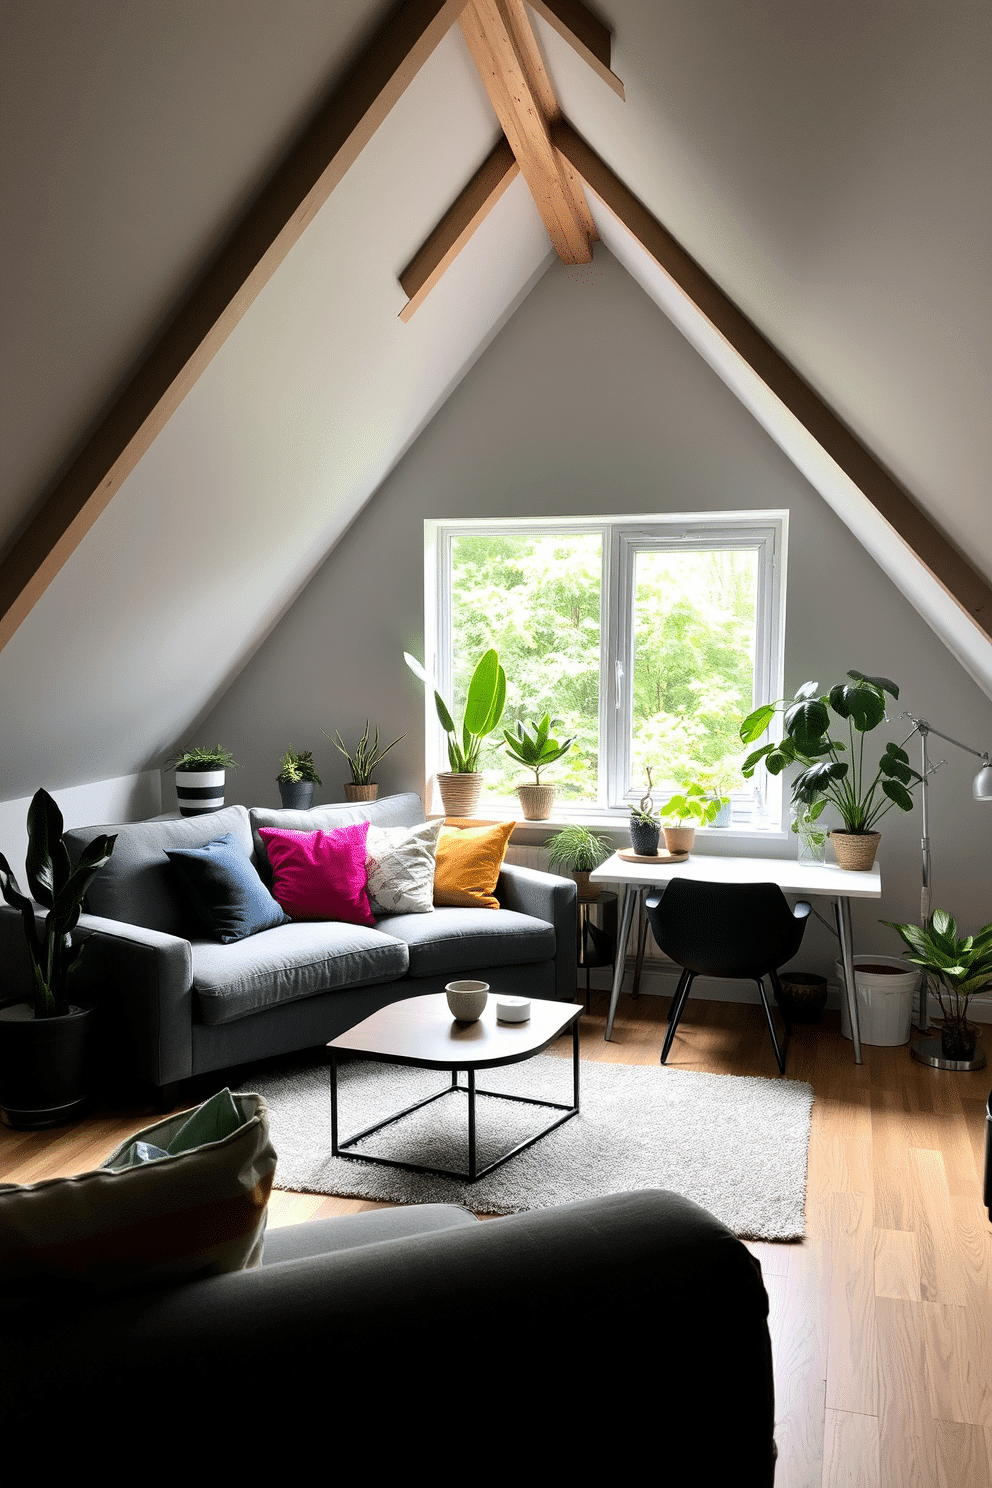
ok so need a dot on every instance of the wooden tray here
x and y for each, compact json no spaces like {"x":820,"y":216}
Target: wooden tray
{"x":662,"y":856}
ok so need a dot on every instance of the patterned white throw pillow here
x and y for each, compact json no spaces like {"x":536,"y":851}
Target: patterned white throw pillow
{"x":400,"y":866}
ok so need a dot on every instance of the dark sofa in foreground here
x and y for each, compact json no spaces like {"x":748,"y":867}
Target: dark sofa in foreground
{"x":579,"y":1337}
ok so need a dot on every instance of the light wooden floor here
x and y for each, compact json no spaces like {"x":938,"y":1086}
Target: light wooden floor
{"x":881,"y":1319}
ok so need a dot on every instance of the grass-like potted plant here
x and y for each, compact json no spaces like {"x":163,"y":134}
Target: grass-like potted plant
{"x":43,"y":1042}
{"x":957,"y":968}
{"x":200,"y":776}
{"x":461,"y":787}
{"x":862,"y":793}
{"x":692,"y":806}
{"x":362,"y":762}
{"x":297,"y":778}
{"x":532,"y":745}
{"x":578,"y":851}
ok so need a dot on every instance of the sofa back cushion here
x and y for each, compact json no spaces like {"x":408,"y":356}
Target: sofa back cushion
{"x":139,"y":885}
{"x":404,"y":810}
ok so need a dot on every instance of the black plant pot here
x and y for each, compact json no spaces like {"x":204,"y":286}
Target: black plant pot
{"x":43,"y":1066}
{"x":644,"y":837}
{"x":296,"y":795}
{"x":804,"y":996}
{"x":958,"y":1039}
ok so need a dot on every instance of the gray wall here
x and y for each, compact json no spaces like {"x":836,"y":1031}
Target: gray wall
{"x":589,"y":401}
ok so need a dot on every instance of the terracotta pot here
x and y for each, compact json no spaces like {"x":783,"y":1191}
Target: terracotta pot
{"x":354,"y":792}
{"x":855,"y":850}
{"x":680,"y":839}
{"x":460,"y":793}
{"x":536,"y":801}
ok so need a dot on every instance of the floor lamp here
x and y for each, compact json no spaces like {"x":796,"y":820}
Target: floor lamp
{"x":981,"y":790}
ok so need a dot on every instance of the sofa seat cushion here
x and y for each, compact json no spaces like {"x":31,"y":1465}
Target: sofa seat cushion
{"x":462,"y":941}
{"x":289,"y":962}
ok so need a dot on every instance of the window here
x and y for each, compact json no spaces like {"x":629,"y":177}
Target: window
{"x":649,"y":638}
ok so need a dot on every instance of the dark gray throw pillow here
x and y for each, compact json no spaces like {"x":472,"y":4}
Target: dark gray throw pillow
{"x":224,"y":888}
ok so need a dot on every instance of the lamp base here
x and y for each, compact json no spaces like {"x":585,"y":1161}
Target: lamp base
{"x":927,"y":1051}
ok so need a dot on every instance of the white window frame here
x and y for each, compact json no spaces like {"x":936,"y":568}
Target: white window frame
{"x":623,"y":537}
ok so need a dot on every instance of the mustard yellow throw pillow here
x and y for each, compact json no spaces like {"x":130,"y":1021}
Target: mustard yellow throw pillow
{"x":468,"y":864}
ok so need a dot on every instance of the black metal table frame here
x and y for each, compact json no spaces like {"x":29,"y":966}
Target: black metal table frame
{"x":474,"y":1171}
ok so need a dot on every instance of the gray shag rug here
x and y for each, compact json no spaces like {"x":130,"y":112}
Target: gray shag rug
{"x":737,"y":1145}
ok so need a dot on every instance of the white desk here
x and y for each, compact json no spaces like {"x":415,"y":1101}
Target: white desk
{"x":806,"y":880}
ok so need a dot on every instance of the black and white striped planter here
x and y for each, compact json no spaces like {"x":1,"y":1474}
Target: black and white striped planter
{"x":199,"y":790}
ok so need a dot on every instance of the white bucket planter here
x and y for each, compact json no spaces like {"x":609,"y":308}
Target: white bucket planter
{"x":885,"y":1000}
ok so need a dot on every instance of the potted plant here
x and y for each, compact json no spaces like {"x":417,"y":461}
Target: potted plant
{"x":957,"y":969}
{"x":362,"y":762}
{"x":578,"y":851}
{"x":296,"y":779}
{"x":645,"y":827}
{"x":861,"y":794}
{"x":200,"y":777}
{"x":461,"y":787}
{"x":531,"y":745}
{"x":811,"y":832}
{"x":690,"y":805}
{"x":43,"y":1042}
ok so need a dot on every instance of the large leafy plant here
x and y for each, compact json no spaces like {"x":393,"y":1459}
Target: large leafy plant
{"x":835,"y":769}
{"x":532,"y":745}
{"x":958,"y":968}
{"x":483,"y":711}
{"x":59,"y":888}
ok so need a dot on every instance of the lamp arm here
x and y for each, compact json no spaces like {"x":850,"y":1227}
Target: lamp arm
{"x":921,"y":726}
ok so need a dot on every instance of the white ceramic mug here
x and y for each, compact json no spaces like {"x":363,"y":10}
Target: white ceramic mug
{"x":467,"y":1000}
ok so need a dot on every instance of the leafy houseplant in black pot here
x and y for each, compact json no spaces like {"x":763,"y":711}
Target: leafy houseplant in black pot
{"x":531,"y":745}
{"x":43,"y":1043}
{"x":957,"y":968}
{"x":362,"y":762}
{"x":296,"y":779}
{"x":200,"y":778}
{"x":462,"y":786}
{"x":578,"y":851}
{"x":861,"y":797}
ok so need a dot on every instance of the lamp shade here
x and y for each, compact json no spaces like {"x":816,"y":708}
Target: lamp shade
{"x":981,"y":786}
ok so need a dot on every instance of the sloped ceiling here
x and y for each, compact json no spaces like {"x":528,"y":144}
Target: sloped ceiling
{"x":828,"y":166}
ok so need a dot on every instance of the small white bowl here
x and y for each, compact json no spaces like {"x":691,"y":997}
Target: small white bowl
{"x":467,"y":1000}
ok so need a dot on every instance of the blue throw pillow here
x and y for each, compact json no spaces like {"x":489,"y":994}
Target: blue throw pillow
{"x":224,"y":887}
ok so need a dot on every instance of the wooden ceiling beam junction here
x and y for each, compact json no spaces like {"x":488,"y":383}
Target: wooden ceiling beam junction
{"x":583,"y":31}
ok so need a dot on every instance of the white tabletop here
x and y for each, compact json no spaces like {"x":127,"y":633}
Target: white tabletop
{"x":790,"y":875}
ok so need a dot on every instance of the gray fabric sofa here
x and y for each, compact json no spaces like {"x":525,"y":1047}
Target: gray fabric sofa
{"x":580,"y":1337}
{"x":187,"y":1004}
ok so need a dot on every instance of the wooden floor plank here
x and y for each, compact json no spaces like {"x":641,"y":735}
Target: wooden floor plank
{"x":850,"y":1451}
{"x":907,"y":1448}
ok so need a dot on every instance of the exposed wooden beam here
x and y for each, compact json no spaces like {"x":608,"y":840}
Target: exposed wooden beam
{"x":583,"y":31}
{"x":457,"y":225}
{"x":503,"y":46}
{"x":933,"y":550}
{"x":292,"y":197}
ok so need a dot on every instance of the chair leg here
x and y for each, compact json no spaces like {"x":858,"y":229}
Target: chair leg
{"x":675,"y":1011}
{"x":782,"y":1002}
{"x":779,"y":1055}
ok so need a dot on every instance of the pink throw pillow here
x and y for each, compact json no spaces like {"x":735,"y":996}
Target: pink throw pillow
{"x":320,"y":875}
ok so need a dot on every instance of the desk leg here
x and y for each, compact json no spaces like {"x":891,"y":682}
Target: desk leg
{"x":631,"y":900}
{"x":843,"y":905}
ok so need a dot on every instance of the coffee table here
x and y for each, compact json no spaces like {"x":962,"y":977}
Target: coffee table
{"x":420,"y":1031}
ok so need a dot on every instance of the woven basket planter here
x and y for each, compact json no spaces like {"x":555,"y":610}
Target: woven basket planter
{"x":460,"y":793}
{"x":856,"y":850}
{"x":536,"y":801}
{"x":354,"y":792}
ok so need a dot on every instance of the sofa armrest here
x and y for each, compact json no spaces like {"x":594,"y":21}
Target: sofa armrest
{"x":546,"y":897}
{"x":143,"y":979}
{"x":459,"y":1337}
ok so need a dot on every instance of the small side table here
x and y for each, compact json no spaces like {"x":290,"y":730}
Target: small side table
{"x":597,"y":934}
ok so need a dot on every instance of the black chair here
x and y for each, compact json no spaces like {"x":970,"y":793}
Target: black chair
{"x":726,"y":930}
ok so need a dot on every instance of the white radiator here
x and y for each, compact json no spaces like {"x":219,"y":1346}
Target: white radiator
{"x":527,"y":857}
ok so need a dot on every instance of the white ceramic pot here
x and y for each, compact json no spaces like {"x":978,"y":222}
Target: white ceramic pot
{"x":198,"y":791}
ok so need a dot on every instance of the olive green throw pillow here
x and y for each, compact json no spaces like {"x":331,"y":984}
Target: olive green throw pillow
{"x":158,"y":1211}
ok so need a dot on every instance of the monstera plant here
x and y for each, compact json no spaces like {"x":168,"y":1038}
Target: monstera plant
{"x":836,"y":768}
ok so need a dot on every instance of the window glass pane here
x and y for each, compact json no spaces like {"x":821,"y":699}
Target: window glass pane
{"x":695,"y":628}
{"x":536,"y":598}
